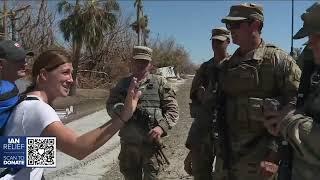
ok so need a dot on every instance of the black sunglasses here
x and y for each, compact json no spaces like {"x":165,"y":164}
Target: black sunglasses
{"x":216,"y":41}
{"x":236,"y":24}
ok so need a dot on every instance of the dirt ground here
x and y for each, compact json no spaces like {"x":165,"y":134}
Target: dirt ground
{"x":175,"y":143}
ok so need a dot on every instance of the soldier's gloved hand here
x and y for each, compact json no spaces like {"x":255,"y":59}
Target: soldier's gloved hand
{"x":268,"y":169}
{"x":155,"y":133}
{"x":188,"y":164}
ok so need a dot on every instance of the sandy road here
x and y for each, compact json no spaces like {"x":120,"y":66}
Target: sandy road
{"x":175,"y":144}
{"x":103,"y":164}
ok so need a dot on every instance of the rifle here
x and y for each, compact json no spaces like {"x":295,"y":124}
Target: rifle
{"x":159,"y":147}
{"x":146,"y":118}
{"x":223,"y":132}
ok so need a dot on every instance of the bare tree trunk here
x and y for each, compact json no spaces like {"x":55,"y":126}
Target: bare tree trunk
{"x":5,"y":29}
{"x":76,"y":49}
{"x":75,"y":63}
{"x":138,"y":22}
{"x":13,"y":27}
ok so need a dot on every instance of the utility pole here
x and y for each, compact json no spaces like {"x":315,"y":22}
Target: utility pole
{"x":292,"y":15}
{"x":4,"y":21}
{"x":139,"y":8}
{"x":12,"y":15}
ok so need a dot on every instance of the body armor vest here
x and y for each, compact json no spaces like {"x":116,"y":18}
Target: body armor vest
{"x":147,"y":114}
{"x":148,"y":109}
{"x":245,"y":85}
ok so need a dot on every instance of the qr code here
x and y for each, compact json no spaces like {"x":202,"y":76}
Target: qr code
{"x":41,"y":152}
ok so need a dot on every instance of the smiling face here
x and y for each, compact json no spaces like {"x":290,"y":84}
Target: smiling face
{"x":58,"y":81}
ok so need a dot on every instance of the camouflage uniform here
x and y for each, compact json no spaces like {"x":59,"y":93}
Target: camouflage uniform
{"x":264,"y":72}
{"x":302,"y":127}
{"x":138,"y":155}
{"x":200,"y":137}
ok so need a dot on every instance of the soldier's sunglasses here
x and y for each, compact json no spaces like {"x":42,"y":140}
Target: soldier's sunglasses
{"x":216,"y":41}
{"x":237,"y":24}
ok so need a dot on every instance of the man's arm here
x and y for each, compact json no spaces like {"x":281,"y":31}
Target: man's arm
{"x":169,"y":106}
{"x":288,"y":78}
{"x":201,"y":126}
{"x":199,"y":81}
{"x":303,"y":133}
{"x":287,"y":74}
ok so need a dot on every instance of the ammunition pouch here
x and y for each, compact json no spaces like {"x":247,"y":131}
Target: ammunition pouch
{"x":245,"y":113}
{"x":240,"y":79}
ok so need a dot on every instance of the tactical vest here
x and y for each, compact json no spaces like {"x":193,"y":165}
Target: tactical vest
{"x":246,"y":85}
{"x":147,"y":115}
{"x":149,"y":102}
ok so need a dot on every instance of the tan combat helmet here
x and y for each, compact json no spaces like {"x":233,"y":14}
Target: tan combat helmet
{"x":220,"y":33}
{"x":244,"y":11}
{"x":311,"y":22}
{"x":142,"y":52}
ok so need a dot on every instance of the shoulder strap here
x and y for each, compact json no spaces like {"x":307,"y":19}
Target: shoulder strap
{"x":31,"y":98}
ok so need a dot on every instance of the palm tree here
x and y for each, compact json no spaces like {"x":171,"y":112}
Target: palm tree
{"x":139,"y":6}
{"x":85,"y":24}
{"x":143,"y":27}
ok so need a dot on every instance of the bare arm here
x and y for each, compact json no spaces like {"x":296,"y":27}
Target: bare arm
{"x":81,"y":146}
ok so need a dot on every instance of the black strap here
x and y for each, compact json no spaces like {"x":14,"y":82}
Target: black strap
{"x":28,"y":98}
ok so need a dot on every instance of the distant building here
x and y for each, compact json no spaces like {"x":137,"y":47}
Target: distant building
{"x":167,"y":72}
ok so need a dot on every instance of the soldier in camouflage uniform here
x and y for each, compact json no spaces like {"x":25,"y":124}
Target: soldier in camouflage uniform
{"x":301,"y":128}
{"x":255,"y":71}
{"x":200,"y":159}
{"x":157,"y":112}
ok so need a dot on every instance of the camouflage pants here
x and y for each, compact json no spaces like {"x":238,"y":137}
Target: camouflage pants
{"x":202,"y":162}
{"x":138,"y":162}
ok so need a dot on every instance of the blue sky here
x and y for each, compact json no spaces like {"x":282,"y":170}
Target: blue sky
{"x":190,"y":22}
